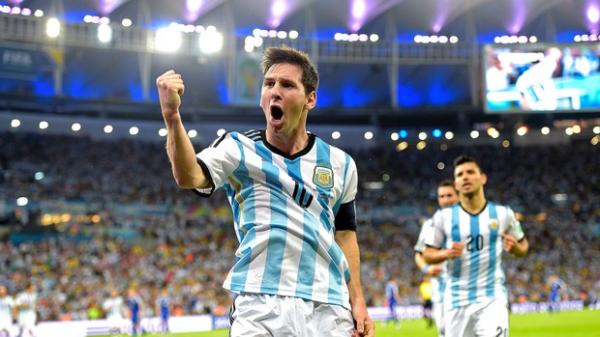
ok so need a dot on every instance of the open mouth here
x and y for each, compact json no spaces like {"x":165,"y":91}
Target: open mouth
{"x":276,"y":112}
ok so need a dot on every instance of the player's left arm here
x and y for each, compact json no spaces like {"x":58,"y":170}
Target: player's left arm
{"x":514,"y":240}
{"x":348,"y":242}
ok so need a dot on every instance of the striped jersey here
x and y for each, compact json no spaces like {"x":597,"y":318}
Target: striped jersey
{"x":437,"y":283}
{"x":284,"y":209}
{"x":6,"y":306}
{"x":477,"y":274}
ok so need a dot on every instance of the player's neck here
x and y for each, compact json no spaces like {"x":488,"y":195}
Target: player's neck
{"x":289,"y":144}
{"x":474,"y":203}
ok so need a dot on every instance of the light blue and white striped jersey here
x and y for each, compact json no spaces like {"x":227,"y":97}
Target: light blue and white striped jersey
{"x":437,"y":283}
{"x":477,"y":274}
{"x":284,"y":210}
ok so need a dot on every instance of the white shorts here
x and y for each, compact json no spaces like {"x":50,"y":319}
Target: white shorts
{"x":258,"y":315}
{"x":27,"y":319}
{"x":438,"y":317}
{"x":5,"y":323}
{"x":485,"y":319}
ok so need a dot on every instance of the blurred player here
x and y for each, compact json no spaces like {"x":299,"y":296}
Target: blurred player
{"x":162,"y":310}
{"x":472,"y":235}
{"x":536,"y":86}
{"x":25,"y":305}
{"x":6,"y":312}
{"x":113,"y":306}
{"x":392,"y":298}
{"x":297,"y":268}
{"x":425,"y":290}
{"x":446,"y":196}
{"x":134,"y":302}
{"x":556,"y":287}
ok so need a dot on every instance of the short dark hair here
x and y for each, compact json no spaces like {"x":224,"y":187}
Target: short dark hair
{"x":277,"y":55}
{"x":466,"y":159}
{"x":446,"y":183}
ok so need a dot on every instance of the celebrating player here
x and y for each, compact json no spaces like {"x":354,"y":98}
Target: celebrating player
{"x":472,"y":235}
{"x":297,"y":268}
{"x":446,"y":197}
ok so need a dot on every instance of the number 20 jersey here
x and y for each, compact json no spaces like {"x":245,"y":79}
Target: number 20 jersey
{"x":477,"y":274}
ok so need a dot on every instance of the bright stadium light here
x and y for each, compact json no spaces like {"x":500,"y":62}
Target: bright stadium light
{"x":474,"y":134}
{"x":336,"y":135}
{"x":545,"y":130}
{"x":368,"y":135}
{"x":211,"y":41}
{"x":39,"y":175}
{"x":168,"y":39}
{"x":421,"y":145}
{"x":134,"y":130}
{"x":597,"y":130}
{"x":108,"y":128}
{"x":402,"y":146}
{"x":104,"y":33}
{"x":449,"y":135}
{"x":293,"y":34}
{"x":43,"y":125}
{"x":38,"y":13}
{"x":569,"y":131}
{"x":126,"y":22}
{"x":22,"y":201}
{"x":374,"y":37}
{"x":15,"y":123}
{"x":576,"y":128}
{"x":441,"y":166}
{"x":522,"y":130}
{"x":221,"y":132}
{"x":422,"y":135}
{"x":75,"y":127}
{"x":53,"y":28}
{"x":192,"y":133}
{"x":162,"y":132}
{"x":394,"y":136}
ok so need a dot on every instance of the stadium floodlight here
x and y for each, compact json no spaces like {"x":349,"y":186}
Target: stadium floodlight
{"x":192,"y":133}
{"x":221,"y":132}
{"x":22,"y":201}
{"x":293,"y":34}
{"x":441,"y":166}
{"x":436,"y":133}
{"x":167,"y":39}
{"x":75,"y":127}
{"x":368,"y":135}
{"x":421,"y":145}
{"x":162,"y":132}
{"x":401,"y":146}
{"x":453,"y":39}
{"x":506,"y":143}
{"x":39,"y":175}
{"x":374,"y":37}
{"x":134,"y":130}
{"x":522,"y":130}
{"x":248,"y":48}
{"x":545,"y":130}
{"x":576,"y":128}
{"x":363,"y":37}
{"x":474,"y":134}
{"x":38,"y":13}
{"x":595,"y":140}
{"x":211,"y":41}
{"x":569,"y":131}
{"x":403,"y":134}
{"x":282,"y":34}
{"x":104,"y":33}
{"x":26,"y":12}
{"x":336,"y":135}
{"x":43,"y":125}
{"x":422,"y":135}
{"x":52,"y":28}
{"x":449,"y":135}
{"x":533,"y":39}
{"x":394,"y":136}
{"x":597,"y":130}
{"x":15,"y":123}
{"x":108,"y":128}
{"x":126,"y":22}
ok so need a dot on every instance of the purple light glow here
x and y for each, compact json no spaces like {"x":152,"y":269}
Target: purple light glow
{"x":105,"y":7}
{"x":593,"y":14}
{"x":193,"y":9}
{"x":15,"y":2}
{"x":519,"y":11}
{"x":442,"y":12}
{"x":359,"y":9}
{"x":279,"y":10}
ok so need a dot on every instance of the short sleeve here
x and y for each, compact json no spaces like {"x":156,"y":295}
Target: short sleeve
{"x":218,"y":161}
{"x":420,"y":245}
{"x":514,"y":227}
{"x":350,"y":181}
{"x":434,"y":233}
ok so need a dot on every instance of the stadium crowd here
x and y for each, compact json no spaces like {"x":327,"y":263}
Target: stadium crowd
{"x":107,"y":213}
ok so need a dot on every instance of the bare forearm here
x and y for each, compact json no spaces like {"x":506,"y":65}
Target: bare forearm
{"x":434,"y":256}
{"x":420,"y":261}
{"x":186,"y":170}
{"x":521,"y":248}
{"x":349,"y":245}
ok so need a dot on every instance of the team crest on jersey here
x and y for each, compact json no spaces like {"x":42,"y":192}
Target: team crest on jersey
{"x":493,"y":224}
{"x":323,"y":177}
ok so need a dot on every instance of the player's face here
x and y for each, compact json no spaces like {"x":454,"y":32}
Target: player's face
{"x":468,"y":178}
{"x":447,"y":196}
{"x":284,"y":100}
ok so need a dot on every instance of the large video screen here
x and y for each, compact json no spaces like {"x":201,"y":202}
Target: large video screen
{"x":542,"y":78}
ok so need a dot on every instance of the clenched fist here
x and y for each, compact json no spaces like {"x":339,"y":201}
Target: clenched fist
{"x":170,"y":89}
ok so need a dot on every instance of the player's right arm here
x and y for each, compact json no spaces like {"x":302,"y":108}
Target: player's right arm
{"x":433,"y":270}
{"x":434,"y":240}
{"x":186,"y":170}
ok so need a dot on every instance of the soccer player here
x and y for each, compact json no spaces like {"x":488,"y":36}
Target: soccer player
{"x":556,"y":287}
{"x":471,"y":236}
{"x":162,"y":310}
{"x":446,"y":197}
{"x":134,"y":302}
{"x":113,"y":306}
{"x":25,"y":305}
{"x":392,"y":297}
{"x":297,"y":268}
{"x":6,"y":312}
{"x":425,"y":292}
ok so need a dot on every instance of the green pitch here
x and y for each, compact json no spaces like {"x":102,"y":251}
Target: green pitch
{"x":564,"y":324}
